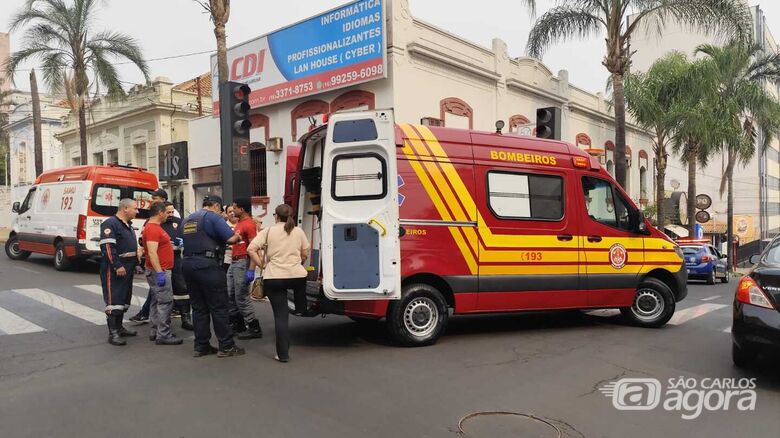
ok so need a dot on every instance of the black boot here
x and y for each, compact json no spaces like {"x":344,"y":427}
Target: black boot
{"x":114,"y":337}
{"x":253,"y":332}
{"x":123,"y":332}
{"x":186,"y":315}
{"x":237,"y":323}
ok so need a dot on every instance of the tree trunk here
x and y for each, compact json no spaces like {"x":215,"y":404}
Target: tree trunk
{"x":222,"y":64}
{"x":36,"y":113}
{"x":732,"y":257}
{"x":83,"y":131}
{"x":620,"y":128}
{"x":660,"y":191}
{"x":691,"y":205}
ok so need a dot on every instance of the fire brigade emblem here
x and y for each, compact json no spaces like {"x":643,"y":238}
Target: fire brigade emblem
{"x":107,"y":231}
{"x":618,"y":256}
{"x":175,"y":225}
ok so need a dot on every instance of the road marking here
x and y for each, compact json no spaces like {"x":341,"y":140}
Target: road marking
{"x":604,"y":313}
{"x":65,"y":305}
{"x":11,"y":324}
{"x":727,"y":330}
{"x":685,"y":315}
{"x":97,"y":290}
{"x":33,"y":271}
{"x":714,"y":297}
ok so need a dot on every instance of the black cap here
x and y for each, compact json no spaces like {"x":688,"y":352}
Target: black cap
{"x":213,"y":199}
{"x":161,"y":193}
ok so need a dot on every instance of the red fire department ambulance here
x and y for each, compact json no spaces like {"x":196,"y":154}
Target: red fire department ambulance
{"x":63,"y":210}
{"x":410,"y":223}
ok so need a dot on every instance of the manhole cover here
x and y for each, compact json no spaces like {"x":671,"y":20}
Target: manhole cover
{"x":506,"y":424}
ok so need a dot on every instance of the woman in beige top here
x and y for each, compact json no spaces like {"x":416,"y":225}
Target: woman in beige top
{"x":280,"y":251}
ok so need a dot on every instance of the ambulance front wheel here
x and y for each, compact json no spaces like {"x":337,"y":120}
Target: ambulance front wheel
{"x":653,"y":304}
{"x":12,"y":249}
{"x":419,"y":317}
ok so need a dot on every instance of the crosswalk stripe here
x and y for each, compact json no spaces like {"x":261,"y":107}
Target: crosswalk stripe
{"x":97,"y":290}
{"x":11,"y":324}
{"x":714,"y":297}
{"x":727,"y":330}
{"x":65,"y":305}
{"x":685,"y":315}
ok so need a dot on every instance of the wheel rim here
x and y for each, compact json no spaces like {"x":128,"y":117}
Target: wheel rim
{"x":648,"y":305}
{"x":58,"y":257}
{"x":421,"y":317}
{"x":14,"y":248}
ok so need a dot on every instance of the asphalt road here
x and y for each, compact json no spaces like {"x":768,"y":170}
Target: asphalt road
{"x":58,"y":376}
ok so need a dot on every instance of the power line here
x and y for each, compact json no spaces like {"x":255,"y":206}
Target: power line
{"x":164,"y":58}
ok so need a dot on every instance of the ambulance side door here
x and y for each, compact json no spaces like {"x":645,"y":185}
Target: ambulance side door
{"x":361,"y":251}
{"x":529,"y":252}
{"x":614,"y":251}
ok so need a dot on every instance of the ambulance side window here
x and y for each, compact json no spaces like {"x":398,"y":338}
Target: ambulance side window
{"x":525,"y":196}
{"x":605,"y":205}
{"x":28,"y":201}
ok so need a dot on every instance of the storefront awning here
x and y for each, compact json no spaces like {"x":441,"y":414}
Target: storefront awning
{"x":677,"y":229}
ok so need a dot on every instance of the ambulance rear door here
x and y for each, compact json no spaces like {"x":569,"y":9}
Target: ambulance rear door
{"x":361,"y":252}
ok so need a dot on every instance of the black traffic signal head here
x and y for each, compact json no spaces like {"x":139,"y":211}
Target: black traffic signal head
{"x":548,"y":123}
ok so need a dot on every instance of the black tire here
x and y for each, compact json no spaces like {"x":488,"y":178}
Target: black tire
{"x":653,"y":305}
{"x":12,"y":249}
{"x":711,"y":277}
{"x":743,"y":356}
{"x":61,"y":260}
{"x":419,"y":317}
{"x":726,"y":276}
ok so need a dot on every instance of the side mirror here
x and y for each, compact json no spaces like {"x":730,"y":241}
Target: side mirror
{"x":16,"y":207}
{"x":724,"y":256}
{"x":641,"y":223}
{"x":755,"y":258}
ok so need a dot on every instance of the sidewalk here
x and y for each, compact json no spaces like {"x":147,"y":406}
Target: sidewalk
{"x":4,"y":234}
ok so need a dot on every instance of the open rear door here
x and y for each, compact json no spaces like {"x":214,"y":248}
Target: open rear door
{"x":361,"y":252}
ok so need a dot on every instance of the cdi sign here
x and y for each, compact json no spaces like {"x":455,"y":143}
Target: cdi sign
{"x":172,"y":161}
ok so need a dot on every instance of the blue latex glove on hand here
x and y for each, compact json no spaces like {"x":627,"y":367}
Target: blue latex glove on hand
{"x":179,"y":242}
{"x":250,"y":276}
{"x":160,"y":279}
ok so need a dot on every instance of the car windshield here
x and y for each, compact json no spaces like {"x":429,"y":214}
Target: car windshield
{"x":690,"y":250}
{"x":773,"y":253}
{"x":106,"y":197}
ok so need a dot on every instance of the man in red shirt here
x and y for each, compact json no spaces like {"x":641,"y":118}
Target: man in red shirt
{"x":159,"y":267}
{"x":242,"y":314}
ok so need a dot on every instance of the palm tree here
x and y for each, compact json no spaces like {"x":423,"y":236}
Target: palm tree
{"x":700,"y":131}
{"x":583,"y":18}
{"x":219,"y":11}
{"x":73,"y":54}
{"x":746,"y":106}
{"x":654,"y":100}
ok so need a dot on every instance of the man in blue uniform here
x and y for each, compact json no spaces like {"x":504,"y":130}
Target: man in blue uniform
{"x":181,"y":297}
{"x":119,"y":256}
{"x":205,"y":234}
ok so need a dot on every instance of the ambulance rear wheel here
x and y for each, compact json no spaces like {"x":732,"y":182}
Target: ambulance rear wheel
{"x":419,"y":317}
{"x":61,"y":260}
{"x":13,"y":251}
{"x":653,"y":304}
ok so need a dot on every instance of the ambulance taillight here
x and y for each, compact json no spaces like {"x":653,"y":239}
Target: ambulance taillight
{"x":81,"y":229}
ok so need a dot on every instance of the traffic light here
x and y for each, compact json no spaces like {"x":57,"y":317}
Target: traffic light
{"x":548,"y":123}
{"x":234,"y":126}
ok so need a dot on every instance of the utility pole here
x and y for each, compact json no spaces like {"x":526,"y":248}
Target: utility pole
{"x":200,"y":102}
{"x":36,"y":110}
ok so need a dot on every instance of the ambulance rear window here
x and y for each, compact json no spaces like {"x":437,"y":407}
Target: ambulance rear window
{"x":106,"y":197}
{"x":525,"y":196}
{"x":354,"y":130}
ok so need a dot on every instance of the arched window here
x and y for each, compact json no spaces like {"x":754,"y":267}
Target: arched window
{"x":643,"y":184}
{"x":311,"y":108}
{"x":583,"y":139}
{"x":260,"y":121}
{"x":611,"y":168}
{"x":21,"y":153}
{"x":608,"y":145}
{"x":517,"y":122}
{"x":258,"y":171}
{"x":456,"y":107}
{"x":352,"y":100}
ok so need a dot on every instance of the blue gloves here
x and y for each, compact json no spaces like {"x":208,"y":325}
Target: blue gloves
{"x":250,"y":275}
{"x":160,"y":279}
{"x":178,"y":242}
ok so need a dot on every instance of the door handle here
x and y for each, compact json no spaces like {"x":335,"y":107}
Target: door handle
{"x":565,"y":237}
{"x":594,"y":238}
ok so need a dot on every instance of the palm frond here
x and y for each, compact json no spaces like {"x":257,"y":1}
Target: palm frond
{"x":731,"y":19}
{"x":560,"y":23}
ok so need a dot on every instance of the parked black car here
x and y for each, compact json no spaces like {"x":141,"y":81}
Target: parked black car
{"x":756,"y":325}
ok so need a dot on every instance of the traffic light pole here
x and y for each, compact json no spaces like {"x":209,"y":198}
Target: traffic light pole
{"x":234,"y":140}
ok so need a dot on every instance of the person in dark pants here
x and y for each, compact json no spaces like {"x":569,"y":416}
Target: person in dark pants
{"x":181,"y":296}
{"x":281,"y":250}
{"x":205,"y":234}
{"x":119,"y":256}
{"x":159,"y":269}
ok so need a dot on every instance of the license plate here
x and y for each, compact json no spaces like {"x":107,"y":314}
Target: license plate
{"x":692,"y":259}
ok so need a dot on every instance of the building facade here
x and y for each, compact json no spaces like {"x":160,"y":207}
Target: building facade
{"x":132,"y":131}
{"x":22,"y":143}
{"x":757,"y":183}
{"x":437,"y":77}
